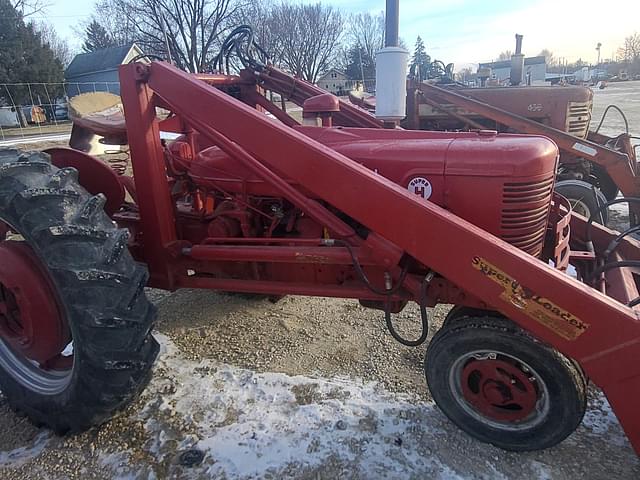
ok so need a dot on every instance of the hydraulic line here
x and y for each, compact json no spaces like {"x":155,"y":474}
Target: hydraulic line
{"x":389,"y":291}
{"x":241,"y":44}
{"x":613,"y":245}
{"x":598,"y":212}
{"x":424,"y":316}
{"x":616,"y":241}
{"x":609,"y":266}
{"x":604,"y":116}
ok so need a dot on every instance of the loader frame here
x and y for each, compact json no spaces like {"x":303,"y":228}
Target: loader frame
{"x":596,"y":330}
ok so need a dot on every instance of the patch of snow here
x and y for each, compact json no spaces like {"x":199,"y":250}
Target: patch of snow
{"x":255,"y":423}
{"x":19,"y":456}
{"x":117,"y":464}
{"x":601,"y":420}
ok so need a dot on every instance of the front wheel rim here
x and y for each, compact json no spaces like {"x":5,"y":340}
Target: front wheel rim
{"x":499,"y":390}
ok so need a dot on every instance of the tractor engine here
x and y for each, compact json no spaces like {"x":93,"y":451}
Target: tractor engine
{"x":500,"y":183}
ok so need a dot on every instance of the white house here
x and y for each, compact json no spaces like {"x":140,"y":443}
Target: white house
{"x":335,"y":81}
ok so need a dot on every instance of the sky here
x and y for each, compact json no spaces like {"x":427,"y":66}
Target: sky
{"x":471,"y":31}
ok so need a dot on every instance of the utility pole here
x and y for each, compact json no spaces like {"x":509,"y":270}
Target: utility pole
{"x":598,"y":49}
{"x":364,"y":88}
{"x":164,"y":33}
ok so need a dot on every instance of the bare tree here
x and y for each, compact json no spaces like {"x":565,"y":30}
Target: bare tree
{"x":630,"y":51}
{"x":27,"y":8}
{"x":506,"y":55}
{"x":307,"y":38}
{"x":186,"y":31}
{"x":549,"y":58}
{"x":58,"y":45}
{"x":367,"y":32}
{"x":116,"y":17}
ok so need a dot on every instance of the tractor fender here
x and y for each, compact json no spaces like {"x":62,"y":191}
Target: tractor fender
{"x":94,"y":175}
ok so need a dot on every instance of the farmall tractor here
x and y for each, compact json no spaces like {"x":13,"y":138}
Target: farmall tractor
{"x":545,"y":299}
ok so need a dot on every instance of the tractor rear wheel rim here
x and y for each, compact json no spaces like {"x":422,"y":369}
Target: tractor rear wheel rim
{"x":35,"y":343}
{"x":499,"y":390}
{"x":581,"y":208}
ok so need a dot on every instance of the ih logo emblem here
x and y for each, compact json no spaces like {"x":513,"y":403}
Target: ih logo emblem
{"x":420,"y":186}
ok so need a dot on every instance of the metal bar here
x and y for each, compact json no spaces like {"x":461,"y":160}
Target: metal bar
{"x":258,"y":99}
{"x":218,"y":80}
{"x":452,"y":114}
{"x":298,"y":91}
{"x":277,"y":254}
{"x":307,"y":242}
{"x":271,"y":287}
{"x":618,"y":164}
{"x":157,"y":216}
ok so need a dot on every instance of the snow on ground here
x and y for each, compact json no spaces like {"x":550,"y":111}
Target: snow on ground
{"x":272,"y":425}
{"x":23,"y":454}
{"x":260,"y":422}
{"x":277,"y":426}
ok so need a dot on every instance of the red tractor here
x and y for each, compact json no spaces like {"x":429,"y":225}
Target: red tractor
{"x":545,"y":299}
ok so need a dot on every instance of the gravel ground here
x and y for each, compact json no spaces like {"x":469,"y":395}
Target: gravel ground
{"x":238,"y":376}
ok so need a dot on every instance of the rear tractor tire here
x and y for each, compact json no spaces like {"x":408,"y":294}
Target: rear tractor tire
{"x":501,"y":386}
{"x":75,"y":341}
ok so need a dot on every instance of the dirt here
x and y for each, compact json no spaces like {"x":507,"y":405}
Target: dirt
{"x":318,"y":335}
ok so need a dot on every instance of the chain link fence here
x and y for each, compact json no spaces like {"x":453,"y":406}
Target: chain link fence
{"x":36,"y":109}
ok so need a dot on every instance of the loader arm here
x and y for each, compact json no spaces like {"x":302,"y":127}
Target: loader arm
{"x":597,"y":331}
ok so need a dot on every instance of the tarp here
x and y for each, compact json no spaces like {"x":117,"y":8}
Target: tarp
{"x":8,"y":118}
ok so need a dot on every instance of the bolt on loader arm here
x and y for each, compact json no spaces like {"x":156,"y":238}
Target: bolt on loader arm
{"x":600,"y":333}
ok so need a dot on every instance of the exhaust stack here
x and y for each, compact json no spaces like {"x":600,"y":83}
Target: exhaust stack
{"x":517,"y":63}
{"x":391,"y":70}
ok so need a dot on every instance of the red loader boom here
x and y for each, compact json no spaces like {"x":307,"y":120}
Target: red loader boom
{"x":245,"y":202}
{"x":597,"y":331}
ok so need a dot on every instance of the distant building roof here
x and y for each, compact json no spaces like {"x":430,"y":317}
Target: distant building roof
{"x":507,"y":63}
{"x":99,"y":60}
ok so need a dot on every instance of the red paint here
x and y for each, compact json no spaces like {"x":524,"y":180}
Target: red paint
{"x":30,"y":320}
{"x":499,"y":390}
{"x":94,"y":175}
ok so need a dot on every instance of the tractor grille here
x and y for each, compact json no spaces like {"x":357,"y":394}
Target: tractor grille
{"x":525,"y":214}
{"x":578,"y":118}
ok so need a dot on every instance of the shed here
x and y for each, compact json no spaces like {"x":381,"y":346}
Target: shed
{"x":8,"y":117}
{"x":98,"y":71}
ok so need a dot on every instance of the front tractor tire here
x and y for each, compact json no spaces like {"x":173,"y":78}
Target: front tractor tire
{"x":75,"y":325}
{"x":501,"y":386}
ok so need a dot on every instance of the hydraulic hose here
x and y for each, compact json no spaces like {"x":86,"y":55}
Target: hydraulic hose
{"x":598,"y":212}
{"x":619,"y":110}
{"x":391,"y":290}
